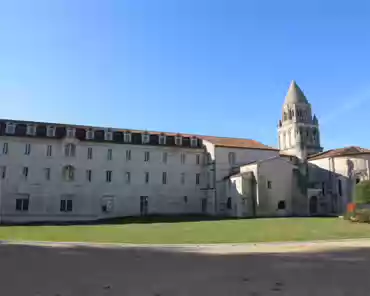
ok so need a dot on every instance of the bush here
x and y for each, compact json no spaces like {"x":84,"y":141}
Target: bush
{"x":361,"y":216}
{"x":362,"y":193}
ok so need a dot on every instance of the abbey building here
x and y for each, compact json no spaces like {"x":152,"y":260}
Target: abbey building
{"x":63,"y":172}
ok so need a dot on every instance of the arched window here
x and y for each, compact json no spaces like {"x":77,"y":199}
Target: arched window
{"x":285,"y":116}
{"x":70,"y":150}
{"x":68,"y":173}
{"x":289,"y":138}
{"x":229,"y":203}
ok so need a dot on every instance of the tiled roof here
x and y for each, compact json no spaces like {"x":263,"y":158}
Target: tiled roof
{"x":236,"y":143}
{"x":352,"y":150}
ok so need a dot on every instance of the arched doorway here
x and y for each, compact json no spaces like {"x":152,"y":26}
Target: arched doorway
{"x":313,"y":205}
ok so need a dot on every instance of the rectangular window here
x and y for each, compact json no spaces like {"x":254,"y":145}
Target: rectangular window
{"x":27,"y":149}
{"x":162,"y":140}
{"x":146,"y":177}
{"x":47,"y":173}
{"x":66,"y":205}
{"x":5,"y":148}
{"x":164,"y":178}
{"x":269,"y":184}
{"x":50,"y":131}
{"x":146,"y":156}
{"x":182,"y":178}
{"x":88,"y":175}
{"x":127,"y":137}
{"x":183,"y":156}
{"x":108,"y":135}
{"x":145,"y":138}
{"x":164,"y":157}
{"x":70,"y":132}
{"x":323,"y":188}
{"x":231,"y":158}
{"x":31,"y":130}
{"x":108,"y":176}
{"x":128,"y":154}
{"x":109,"y":156}
{"x":89,"y":153}
{"x":194,"y":142}
{"x":22,"y":204}
{"x":10,"y":128}
{"x":197,"y":179}
{"x":197,"y":160}
{"x":25,"y":172}
{"x":3,"y":172}
{"x":340,"y":187}
{"x":49,"y":150}
{"x":128,"y":177}
{"x":178,"y":141}
{"x":89,"y":134}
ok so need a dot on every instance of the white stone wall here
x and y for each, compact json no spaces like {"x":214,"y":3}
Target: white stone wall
{"x":87,"y":196}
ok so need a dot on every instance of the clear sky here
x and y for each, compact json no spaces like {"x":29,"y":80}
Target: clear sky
{"x":213,"y":67}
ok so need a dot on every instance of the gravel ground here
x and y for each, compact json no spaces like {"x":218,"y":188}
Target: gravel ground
{"x":65,"y":270}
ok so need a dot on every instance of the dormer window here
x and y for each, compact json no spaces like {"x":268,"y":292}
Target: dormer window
{"x":178,"y":140}
{"x":50,"y":131}
{"x":193,"y":142}
{"x":89,"y":134}
{"x":10,"y":128}
{"x":145,"y":138}
{"x":71,"y":132}
{"x":127,"y":137}
{"x":31,"y":130}
{"x":162,"y":140}
{"x":108,"y":135}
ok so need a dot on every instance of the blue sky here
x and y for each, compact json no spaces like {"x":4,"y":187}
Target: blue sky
{"x":194,"y":66}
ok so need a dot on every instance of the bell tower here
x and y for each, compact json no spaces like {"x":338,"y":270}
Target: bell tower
{"x":298,"y":130}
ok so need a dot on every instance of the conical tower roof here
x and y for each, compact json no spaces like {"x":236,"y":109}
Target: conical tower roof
{"x":295,"y":95}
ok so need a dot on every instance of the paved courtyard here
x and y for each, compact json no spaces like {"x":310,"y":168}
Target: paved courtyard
{"x":80,"y":271}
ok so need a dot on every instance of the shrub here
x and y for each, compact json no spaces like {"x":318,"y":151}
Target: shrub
{"x":362,"y":192}
{"x":361,"y":216}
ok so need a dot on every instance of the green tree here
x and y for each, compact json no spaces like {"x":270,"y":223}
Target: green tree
{"x":362,"y":192}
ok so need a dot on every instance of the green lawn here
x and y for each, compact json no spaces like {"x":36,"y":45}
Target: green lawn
{"x":234,"y":231}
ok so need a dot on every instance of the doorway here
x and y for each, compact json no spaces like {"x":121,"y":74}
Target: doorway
{"x":143,"y":205}
{"x":204,"y":205}
{"x":313,"y":205}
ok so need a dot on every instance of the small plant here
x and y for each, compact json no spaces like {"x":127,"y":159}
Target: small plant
{"x":362,"y":192}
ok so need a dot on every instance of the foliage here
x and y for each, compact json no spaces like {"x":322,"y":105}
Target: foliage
{"x":362,"y":192}
{"x":361,"y":216}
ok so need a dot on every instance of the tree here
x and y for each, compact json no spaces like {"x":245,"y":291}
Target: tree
{"x":362,"y":192}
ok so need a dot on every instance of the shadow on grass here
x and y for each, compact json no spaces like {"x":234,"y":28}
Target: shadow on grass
{"x":151,"y":271}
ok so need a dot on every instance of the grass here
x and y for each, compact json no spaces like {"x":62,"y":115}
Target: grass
{"x":224,"y":231}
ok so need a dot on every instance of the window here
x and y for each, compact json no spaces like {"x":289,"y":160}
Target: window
{"x":281,"y":205}
{"x":69,"y":173}
{"x":128,"y":177}
{"x":194,"y":142}
{"x":182,"y":178}
{"x":358,"y":180}
{"x":340,"y":187}
{"x":162,"y":140}
{"x":47,"y":173}
{"x":108,"y":135}
{"x":229,"y":203}
{"x":178,"y":140}
{"x":31,"y":130}
{"x":27,"y":149}
{"x":128,"y":154}
{"x":70,"y":132}
{"x":197,"y":159}
{"x":127,"y":137}
{"x":108,"y":176}
{"x":197,"y":179}
{"x":70,"y":150}
{"x":145,"y":138}
{"x":164,"y":178}
{"x":88,"y":175}
{"x":164,"y":157}
{"x":5,"y":148}
{"x":50,"y":131}
{"x":146,"y":177}
{"x":3,"y":172}
{"x":25,"y":172}
{"x":22,"y":204}
{"x":49,"y":150}
{"x":185,"y":199}
{"x":66,"y":205}
{"x":89,"y":134}
{"x":269,"y":184}
{"x":232,"y":158}
{"x":323,"y":188}
{"x":109,"y":156}
{"x":10,"y":128}
{"x":183,"y":156}
{"x":146,"y":156}
{"x":89,"y":153}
